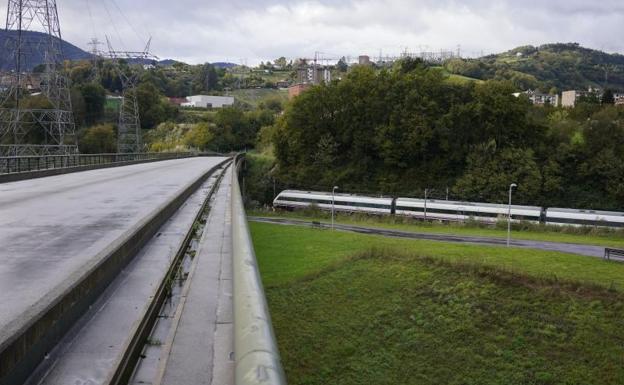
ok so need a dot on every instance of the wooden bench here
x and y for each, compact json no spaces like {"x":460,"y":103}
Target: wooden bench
{"x":615,"y":252}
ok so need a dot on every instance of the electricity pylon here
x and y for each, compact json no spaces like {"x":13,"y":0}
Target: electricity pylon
{"x":95,"y":59}
{"x":129,"y":129}
{"x":48,"y":129}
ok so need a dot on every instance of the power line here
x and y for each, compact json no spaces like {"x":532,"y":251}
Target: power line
{"x":90,"y":16}
{"x":127,"y":20}
{"x":110,"y":17}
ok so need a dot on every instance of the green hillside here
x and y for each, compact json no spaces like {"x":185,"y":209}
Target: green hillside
{"x":558,"y":66}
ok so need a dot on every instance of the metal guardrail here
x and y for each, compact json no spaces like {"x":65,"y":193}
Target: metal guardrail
{"x":13,"y":165}
{"x":257,"y":359}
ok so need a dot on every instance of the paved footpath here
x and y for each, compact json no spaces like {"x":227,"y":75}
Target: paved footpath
{"x":570,"y":248}
{"x":51,"y":229}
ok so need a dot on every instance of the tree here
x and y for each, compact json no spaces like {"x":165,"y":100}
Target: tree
{"x":199,"y":137}
{"x":273,"y":104}
{"x":607,"y":97}
{"x":281,"y":62}
{"x":490,"y":172}
{"x":231,"y":131}
{"x":98,"y":140}
{"x":78,"y":106}
{"x":342,"y":65}
{"x":206,"y":78}
{"x":153,"y":110}
{"x":94,"y":97}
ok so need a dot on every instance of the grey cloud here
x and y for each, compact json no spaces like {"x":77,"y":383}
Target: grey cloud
{"x":200,"y":30}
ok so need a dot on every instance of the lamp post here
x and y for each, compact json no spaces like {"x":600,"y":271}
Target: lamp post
{"x":426,"y":193}
{"x":333,"y":203}
{"x":511,"y":187}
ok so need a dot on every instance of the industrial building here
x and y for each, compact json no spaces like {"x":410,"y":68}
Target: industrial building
{"x":208,"y":101}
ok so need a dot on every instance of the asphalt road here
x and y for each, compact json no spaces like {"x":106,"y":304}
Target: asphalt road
{"x":52,"y":229}
{"x":571,"y":248}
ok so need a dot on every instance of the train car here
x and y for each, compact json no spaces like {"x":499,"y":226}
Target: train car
{"x":293,"y":199}
{"x":570,"y":217}
{"x":463,"y":211}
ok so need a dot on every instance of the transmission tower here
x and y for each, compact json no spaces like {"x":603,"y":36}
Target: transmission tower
{"x":95,"y":58}
{"x":129,"y":128}
{"x":49,"y":129}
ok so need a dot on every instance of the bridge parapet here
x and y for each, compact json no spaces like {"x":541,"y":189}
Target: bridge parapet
{"x":257,"y":359}
{"x":29,"y":167}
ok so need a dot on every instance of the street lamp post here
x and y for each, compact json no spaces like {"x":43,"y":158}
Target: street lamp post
{"x":511,"y":187}
{"x":333,"y":203}
{"x":426,"y":193}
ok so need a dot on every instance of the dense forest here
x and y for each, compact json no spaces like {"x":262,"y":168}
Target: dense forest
{"x":400,"y":131}
{"x":549,"y":68}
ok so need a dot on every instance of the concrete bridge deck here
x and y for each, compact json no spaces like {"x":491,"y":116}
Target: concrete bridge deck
{"x":53,"y":227}
{"x":128,"y":275}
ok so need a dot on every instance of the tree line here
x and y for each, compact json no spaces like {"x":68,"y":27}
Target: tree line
{"x":233,"y":128}
{"x":403,"y":130}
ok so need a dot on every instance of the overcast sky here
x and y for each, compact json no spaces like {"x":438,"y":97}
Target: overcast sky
{"x":234,"y":30}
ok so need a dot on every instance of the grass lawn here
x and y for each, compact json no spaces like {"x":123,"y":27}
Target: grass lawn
{"x":253,"y":96}
{"x":599,"y":238}
{"x":455,"y":78}
{"x":358,"y":309}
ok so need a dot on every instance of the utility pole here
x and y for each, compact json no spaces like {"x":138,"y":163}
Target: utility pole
{"x":95,"y":44}
{"x":19,"y":124}
{"x":333,"y":205}
{"x":426,"y":193}
{"x":129,"y":130}
{"x":511,"y":187}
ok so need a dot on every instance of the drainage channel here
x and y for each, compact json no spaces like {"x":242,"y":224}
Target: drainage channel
{"x":148,"y":364}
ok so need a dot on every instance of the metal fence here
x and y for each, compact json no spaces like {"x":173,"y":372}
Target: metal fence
{"x":18,"y":164}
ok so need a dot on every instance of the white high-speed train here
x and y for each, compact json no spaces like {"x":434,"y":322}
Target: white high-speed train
{"x":463,"y":211}
{"x":342,"y":202}
{"x":446,"y":210}
{"x":557,"y":216}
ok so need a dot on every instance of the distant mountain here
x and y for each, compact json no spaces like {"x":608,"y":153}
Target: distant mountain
{"x":33,"y":55}
{"x":167,"y":62}
{"x":547,"y":67}
{"x":224,"y":65}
